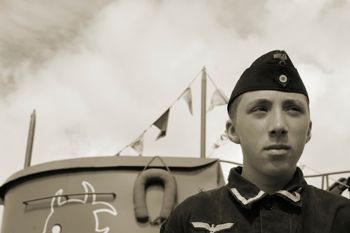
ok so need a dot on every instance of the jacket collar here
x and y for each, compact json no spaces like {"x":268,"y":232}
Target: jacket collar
{"x":246,"y":193}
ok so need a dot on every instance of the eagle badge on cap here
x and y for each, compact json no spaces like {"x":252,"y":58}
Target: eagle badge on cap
{"x":282,"y":57}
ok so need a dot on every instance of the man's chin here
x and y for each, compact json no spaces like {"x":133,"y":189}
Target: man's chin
{"x":280,"y":171}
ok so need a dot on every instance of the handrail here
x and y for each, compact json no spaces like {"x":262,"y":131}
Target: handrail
{"x":66,"y":196}
{"x":227,"y":161}
{"x":327,"y":174}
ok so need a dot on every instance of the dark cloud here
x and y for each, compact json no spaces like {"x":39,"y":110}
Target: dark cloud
{"x":34,"y":30}
{"x":31,"y":33}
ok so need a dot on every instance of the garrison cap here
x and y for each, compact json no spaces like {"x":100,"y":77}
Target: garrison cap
{"x":272,"y":71}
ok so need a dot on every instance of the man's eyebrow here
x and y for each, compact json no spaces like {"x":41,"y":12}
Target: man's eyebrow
{"x":293,"y":101}
{"x":260,"y":101}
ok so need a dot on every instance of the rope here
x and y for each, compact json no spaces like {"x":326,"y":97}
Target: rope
{"x":161,"y":160}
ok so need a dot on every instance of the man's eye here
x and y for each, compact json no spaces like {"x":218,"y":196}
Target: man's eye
{"x":295,"y":109}
{"x":259,"y":109}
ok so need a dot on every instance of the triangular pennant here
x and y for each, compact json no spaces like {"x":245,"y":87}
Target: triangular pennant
{"x":137,"y":145}
{"x":218,"y":98}
{"x":187,"y":95}
{"x":220,"y":141}
{"x":224,"y":136}
{"x":161,"y":134}
{"x":215,"y":145}
{"x":162,"y":124}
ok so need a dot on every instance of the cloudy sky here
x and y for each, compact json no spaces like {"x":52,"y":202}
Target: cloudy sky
{"x":98,"y":73}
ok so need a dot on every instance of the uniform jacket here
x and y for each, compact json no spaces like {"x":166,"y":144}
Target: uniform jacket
{"x":240,"y":207}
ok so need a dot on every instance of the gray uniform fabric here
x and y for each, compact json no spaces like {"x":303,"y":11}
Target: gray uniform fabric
{"x":241,"y":207}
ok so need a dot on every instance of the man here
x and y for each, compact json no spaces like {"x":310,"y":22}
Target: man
{"x":270,"y":119}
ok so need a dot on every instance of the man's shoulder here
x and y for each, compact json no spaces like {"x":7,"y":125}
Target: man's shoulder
{"x":207,"y":197}
{"x":194,"y":207}
{"x":319,"y":195}
{"x":329,"y":210}
{"x":327,"y":202}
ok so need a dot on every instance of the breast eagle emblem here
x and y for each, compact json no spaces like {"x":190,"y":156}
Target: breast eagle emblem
{"x":212,"y":228}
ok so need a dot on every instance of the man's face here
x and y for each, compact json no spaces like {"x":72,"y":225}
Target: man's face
{"x":272,"y":128}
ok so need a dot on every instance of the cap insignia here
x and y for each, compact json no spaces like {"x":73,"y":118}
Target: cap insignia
{"x":282,"y":58}
{"x":283,"y":80}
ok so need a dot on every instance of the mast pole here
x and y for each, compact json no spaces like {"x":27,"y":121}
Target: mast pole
{"x":203,"y":112}
{"x":30,"y":140}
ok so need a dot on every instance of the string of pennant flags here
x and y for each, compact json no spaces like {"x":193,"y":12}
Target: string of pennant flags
{"x":218,"y":98}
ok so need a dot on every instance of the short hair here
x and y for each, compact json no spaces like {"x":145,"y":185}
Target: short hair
{"x":233,"y":107}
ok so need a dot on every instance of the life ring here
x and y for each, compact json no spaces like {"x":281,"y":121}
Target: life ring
{"x":169,"y":197}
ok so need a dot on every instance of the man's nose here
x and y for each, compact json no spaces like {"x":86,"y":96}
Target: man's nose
{"x":278,"y":124}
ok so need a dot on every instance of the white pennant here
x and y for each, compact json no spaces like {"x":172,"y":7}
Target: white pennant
{"x":220,"y":141}
{"x":218,"y":98}
{"x":137,"y":145}
{"x":187,"y":95}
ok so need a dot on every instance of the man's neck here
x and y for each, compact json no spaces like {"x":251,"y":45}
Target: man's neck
{"x":268,"y":184}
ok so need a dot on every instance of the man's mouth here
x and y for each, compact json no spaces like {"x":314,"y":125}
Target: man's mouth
{"x":277,"y":147}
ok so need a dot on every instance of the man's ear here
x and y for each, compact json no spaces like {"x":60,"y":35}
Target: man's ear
{"x":308,"y":136}
{"x":231,"y":131}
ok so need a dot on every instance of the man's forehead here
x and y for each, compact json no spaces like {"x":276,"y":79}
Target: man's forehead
{"x":271,"y":95}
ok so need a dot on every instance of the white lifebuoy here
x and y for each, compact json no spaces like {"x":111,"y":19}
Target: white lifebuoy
{"x":140,"y":187}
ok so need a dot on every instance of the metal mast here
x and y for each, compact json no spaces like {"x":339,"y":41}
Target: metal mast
{"x":30,"y":140}
{"x":203,"y":112}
